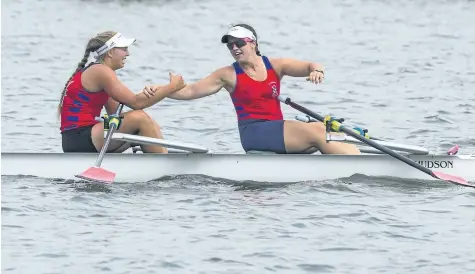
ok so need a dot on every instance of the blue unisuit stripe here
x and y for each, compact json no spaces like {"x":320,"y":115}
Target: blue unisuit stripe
{"x":73,"y":118}
{"x":75,"y":110}
{"x":84,"y":97}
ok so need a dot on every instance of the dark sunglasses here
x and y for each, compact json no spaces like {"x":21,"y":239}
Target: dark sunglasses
{"x":238,"y":42}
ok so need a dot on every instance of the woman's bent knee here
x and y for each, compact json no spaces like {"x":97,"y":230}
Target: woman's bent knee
{"x":137,"y":116}
{"x":144,"y":117}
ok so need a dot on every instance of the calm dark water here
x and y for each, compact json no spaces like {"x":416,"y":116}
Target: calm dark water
{"x":404,"y":70}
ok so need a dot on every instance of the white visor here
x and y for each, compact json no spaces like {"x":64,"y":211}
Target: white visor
{"x":238,"y":32}
{"x":117,"y":41}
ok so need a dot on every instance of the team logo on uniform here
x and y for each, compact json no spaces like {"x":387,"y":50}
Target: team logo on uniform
{"x":273,"y":86}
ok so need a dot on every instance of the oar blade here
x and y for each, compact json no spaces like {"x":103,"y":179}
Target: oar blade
{"x":97,"y":174}
{"x":452,"y":178}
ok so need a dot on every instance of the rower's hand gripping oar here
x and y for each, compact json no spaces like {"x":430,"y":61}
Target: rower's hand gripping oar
{"x":337,"y":126}
{"x":96,"y":173}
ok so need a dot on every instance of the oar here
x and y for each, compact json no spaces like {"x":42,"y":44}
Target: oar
{"x":96,"y":173}
{"x":339,"y":127}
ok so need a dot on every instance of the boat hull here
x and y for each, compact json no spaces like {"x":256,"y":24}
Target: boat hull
{"x":276,"y":168}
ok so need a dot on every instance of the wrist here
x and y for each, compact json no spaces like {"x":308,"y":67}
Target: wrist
{"x":178,"y":86}
{"x":318,"y":68}
{"x":172,"y":87}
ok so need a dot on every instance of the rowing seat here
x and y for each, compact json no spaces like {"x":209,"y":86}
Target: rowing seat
{"x":260,"y":152}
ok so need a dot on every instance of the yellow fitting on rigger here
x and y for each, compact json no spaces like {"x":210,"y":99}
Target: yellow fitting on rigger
{"x":335,"y":125}
{"x":105,"y":118}
{"x":115,"y":121}
{"x":361,"y":132}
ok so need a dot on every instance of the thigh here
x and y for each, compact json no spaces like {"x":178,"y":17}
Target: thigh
{"x":78,"y":140}
{"x":299,"y":136}
{"x":263,"y":136}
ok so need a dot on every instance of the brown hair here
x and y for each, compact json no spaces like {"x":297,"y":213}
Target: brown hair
{"x":94,"y":44}
{"x":246,"y":26}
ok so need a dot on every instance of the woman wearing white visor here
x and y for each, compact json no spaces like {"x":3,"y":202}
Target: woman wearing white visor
{"x":94,"y":86}
{"x":253,"y":82}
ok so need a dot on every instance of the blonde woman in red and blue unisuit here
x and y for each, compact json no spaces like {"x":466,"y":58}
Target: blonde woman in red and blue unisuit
{"x":95,"y":86}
